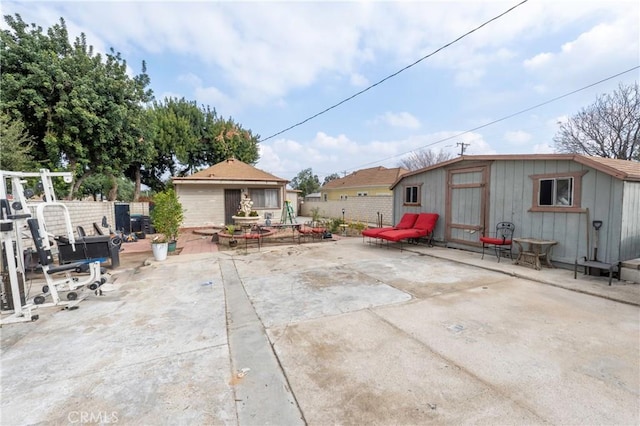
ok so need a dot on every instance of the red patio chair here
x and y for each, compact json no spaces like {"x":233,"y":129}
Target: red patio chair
{"x":424,"y":226}
{"x":311,"y":229}
{"x":255,"y":234}
{"x":501,"y":242}
{"x":406,"y":222}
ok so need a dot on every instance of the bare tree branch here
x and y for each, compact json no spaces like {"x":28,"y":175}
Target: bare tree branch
{"x":609,"y":128}
{"x":423,"y":158}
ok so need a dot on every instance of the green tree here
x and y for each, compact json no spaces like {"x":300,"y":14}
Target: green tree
{"x":16,"y":144}
{"x":332,"y":176}
{"x":306,"y":182}
{"x":98,"y":187}
{"x":83,"y":111}
{"x":186,"y":138}
{"x":609,"y":128}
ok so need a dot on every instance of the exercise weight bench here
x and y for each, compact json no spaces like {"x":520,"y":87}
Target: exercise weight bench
{"x":68,"y":283}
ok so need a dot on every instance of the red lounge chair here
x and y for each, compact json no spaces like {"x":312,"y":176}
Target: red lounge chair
{"x":424,"y":226}
{"x":407,"y":221}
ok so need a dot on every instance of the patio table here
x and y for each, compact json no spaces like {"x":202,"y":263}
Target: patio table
{"x":533,"y":251}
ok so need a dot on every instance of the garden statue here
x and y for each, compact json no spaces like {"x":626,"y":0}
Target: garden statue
{"x":246,"y":204}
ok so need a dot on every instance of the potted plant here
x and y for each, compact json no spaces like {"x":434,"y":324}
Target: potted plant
{"x":231,"y":229}
{"x":315,"y":216}
{"x":167,"y":215}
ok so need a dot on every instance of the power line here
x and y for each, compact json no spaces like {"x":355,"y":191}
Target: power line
{"x":395,"y":73}
{"x":503,"y":118}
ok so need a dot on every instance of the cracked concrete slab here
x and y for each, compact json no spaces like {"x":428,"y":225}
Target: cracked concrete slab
{"x":339,"y":332}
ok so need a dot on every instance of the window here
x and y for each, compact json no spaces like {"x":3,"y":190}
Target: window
{"x":325,"y":197}
{"x":557,"y":192}
{"x":412,"y":194}
{"x":362,"y":194}
{"x":265,"y":198}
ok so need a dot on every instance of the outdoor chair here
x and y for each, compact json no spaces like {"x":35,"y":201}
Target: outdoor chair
{"x":255,"y":234}
{"x":423,"y":228}
{"x":406,"y":222}
{"x":304,"y":231}
{"x":313,"y":229}
{"x":501,"y":241}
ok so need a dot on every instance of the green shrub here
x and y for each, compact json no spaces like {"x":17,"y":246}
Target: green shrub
{"x":334,"y":225}
{"x":167,"y":215}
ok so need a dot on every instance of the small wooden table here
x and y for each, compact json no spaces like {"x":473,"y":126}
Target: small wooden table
{"x":534,"y":251}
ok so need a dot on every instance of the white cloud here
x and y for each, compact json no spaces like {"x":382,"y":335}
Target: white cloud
{"x":469,"y":77}
{"x":518,"y":137}
{"x":359,"y":80}
{"x":613,"y":45}
{"x":543,"y":148}
{"x":540,"y":60}
{"x":271,"y":58}
{"x":399,"y":119}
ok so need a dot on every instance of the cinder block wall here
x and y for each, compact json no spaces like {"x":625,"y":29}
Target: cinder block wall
{"x":362,"y":209}
{"x":83,"y":213}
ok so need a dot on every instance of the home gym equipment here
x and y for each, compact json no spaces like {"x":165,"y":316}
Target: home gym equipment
{"x":13,"y":298}
{"x":68,"y":283}
{"x":15,"y":219}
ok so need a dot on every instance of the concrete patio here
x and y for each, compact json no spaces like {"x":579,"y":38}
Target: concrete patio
{"x":334,"y":332}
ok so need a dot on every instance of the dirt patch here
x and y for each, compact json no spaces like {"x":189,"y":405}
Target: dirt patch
{"x":133,"y":260}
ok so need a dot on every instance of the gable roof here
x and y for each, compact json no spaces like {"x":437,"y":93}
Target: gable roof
{"x":375,"y":176}
{"x":230,"y":169}
{"x":620,"y":169}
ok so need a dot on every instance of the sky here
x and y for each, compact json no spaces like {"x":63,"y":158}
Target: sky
{"x":271,"y":65}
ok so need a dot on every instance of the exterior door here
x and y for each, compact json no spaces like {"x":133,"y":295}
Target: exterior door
{"x":231,"y":204}
{"x":467,"y":194}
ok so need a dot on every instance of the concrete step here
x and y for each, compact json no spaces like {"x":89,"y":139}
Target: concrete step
{"x":630,"y":271}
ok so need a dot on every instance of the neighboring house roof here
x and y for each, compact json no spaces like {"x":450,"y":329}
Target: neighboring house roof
{"x":230,"y":169}
{"x":375,"y":176}
{"x":620,"y":169}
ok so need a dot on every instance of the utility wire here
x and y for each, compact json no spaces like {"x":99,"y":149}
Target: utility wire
{"x":503,"y":118}
{"x":395,"y":73}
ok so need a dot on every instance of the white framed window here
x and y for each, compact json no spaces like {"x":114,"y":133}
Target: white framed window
{"x":265,"y":198}
{"x":362,"y":194}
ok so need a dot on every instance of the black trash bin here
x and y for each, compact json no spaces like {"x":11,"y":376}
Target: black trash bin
{"x":138,"y":225}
